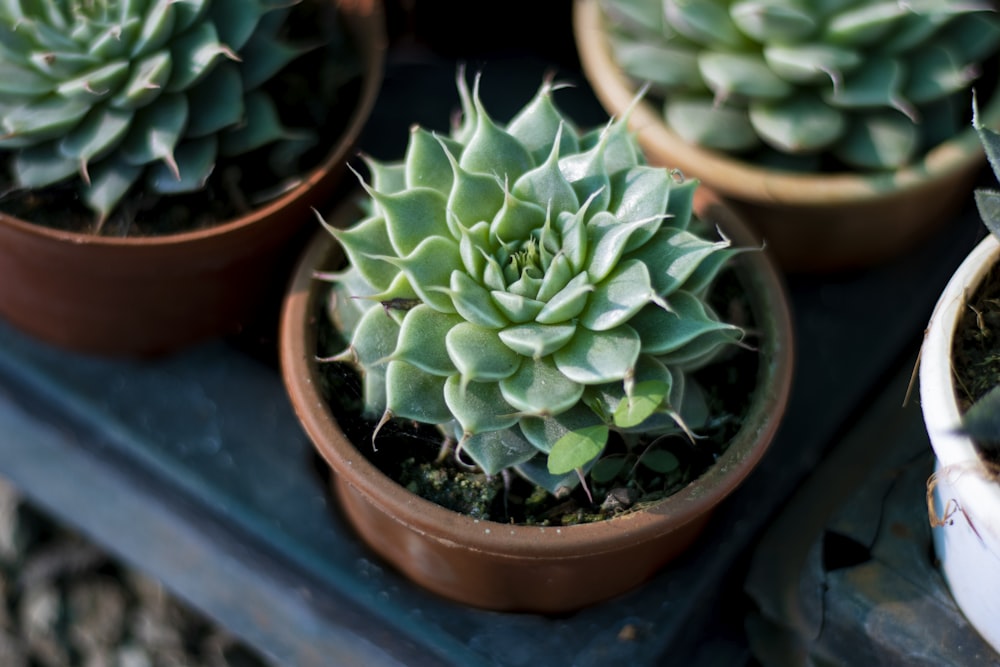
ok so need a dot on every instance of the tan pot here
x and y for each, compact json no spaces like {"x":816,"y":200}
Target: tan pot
{"x":145,"y":296}
{"x":529,"y":568}
{"x":811,"y":222}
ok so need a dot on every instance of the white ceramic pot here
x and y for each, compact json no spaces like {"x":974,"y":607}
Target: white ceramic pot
{"x":966,"y":497}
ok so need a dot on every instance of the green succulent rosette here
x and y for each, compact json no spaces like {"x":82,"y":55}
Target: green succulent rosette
{"x":108,"y":92}
{"x":871,"y":83}
{"x":530,"y":289}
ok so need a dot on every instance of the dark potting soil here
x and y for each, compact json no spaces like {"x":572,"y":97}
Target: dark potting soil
{"x":412,"y":454}
{"x":976,"y":348}
{"x":317,"y":93}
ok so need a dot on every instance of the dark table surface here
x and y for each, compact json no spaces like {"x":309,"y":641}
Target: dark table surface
{"x":194,"y":468}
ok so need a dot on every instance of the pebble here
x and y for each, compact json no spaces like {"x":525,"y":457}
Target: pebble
{"x":66,"y":603}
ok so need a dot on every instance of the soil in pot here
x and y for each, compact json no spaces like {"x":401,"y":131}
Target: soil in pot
{"x":317,"y":93}
{"x":976,"y":351}
{"x":413,"y":455}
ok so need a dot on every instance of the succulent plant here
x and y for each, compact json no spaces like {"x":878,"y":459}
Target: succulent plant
{"x":530,"y":288}
{"x":107,"y":92}
{"x":859,"y":84}
{"x":982,"y":420}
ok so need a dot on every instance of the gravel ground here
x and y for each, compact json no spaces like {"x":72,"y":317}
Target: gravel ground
{"x":66,"y":603}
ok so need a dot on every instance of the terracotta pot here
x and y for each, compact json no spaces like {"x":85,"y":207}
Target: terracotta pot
{"x":529,"y":568}
{"x":965,"y":494}
{"x":812,"y":222}
{"x":151,"y":295}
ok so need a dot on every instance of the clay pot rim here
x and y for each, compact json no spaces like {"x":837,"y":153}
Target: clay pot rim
{"x":937,"y":382}
{"x":366,"y":20}
{"x":297,"y":346}
{"x":744,"y":180}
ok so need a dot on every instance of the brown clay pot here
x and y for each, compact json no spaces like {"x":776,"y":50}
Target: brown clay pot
{"x":152,"y":295}
{"x":811,"y":222}
{"x":529,"y":568}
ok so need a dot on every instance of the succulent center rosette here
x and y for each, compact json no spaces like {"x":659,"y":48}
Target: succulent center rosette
{"x":110,"y":91}
{"x":530,"y":289}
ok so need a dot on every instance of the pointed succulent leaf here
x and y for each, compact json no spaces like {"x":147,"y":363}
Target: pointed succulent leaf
{"x":539,"y":388}
{"x":641,"y":194}
{"x":811,"y":63}
{"x":427,"y":162}
{"x":494,"y":451}
{"x":676,"y":255}
{"x":879,"y":141}
{"x":156,"y":29}
{"x":936,"y":72}
{"x":146,"y":81}
{"x":365,"y":244}
{"x":413,"y":216}
{"x":568,"y":303}
{"x":594,"y":357}
{"x":473,"y":243}
{"x":39,"y":121}
{"x":479,"y":354}
{"x":17,"y":80}
{"x":109,"y":181}
{"x":865,"y":24}
{"x":543,"y":432}
{"x":193,"y":162}
{"x":610,"y":238}
{"x":664,"y":331}
{"x":802,"y":124}
{"x":474,"y":197}
{"x":156,"y":131}
{"x":261,"y":126}
{"x":778,"y":21}
{"x":97,"y":134}
{"x":90,"y":86}
{"x":217,"y":102}
{"x":538,"y":122}
{"x":701,"y":121}
{"x":704,"y":21}
{"x":412,"y":394}
{"x":237,"y":20}
{"x":43,"y":165}
{"x":491,"y":147}
{"x":516,"y":219}
{"x":741,"y":75}
{"x":577,"y":448}
{"x":193,"y":55}
{"x":536,"y":471}
{"x":619,"y":296}
{"x":429,"y":268}
{"x":263,"y":58}
{"x":988,"y":204}
{"x":537,"y":340}
{"x":516,"y":308}
{"x":478,"y":406}
{"x":473,"y":302}
{"x":665,"y":65}
{"x":878,"y":82}
{"x":545,"y":184}
{"x":421,"y":340}
{"x":557,"y":276}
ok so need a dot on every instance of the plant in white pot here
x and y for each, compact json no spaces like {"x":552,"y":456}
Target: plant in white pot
{"x":157,"y":156}
{"x":960,"y":400}
{"x":838,"y":128}
{"x":548,"y":307}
